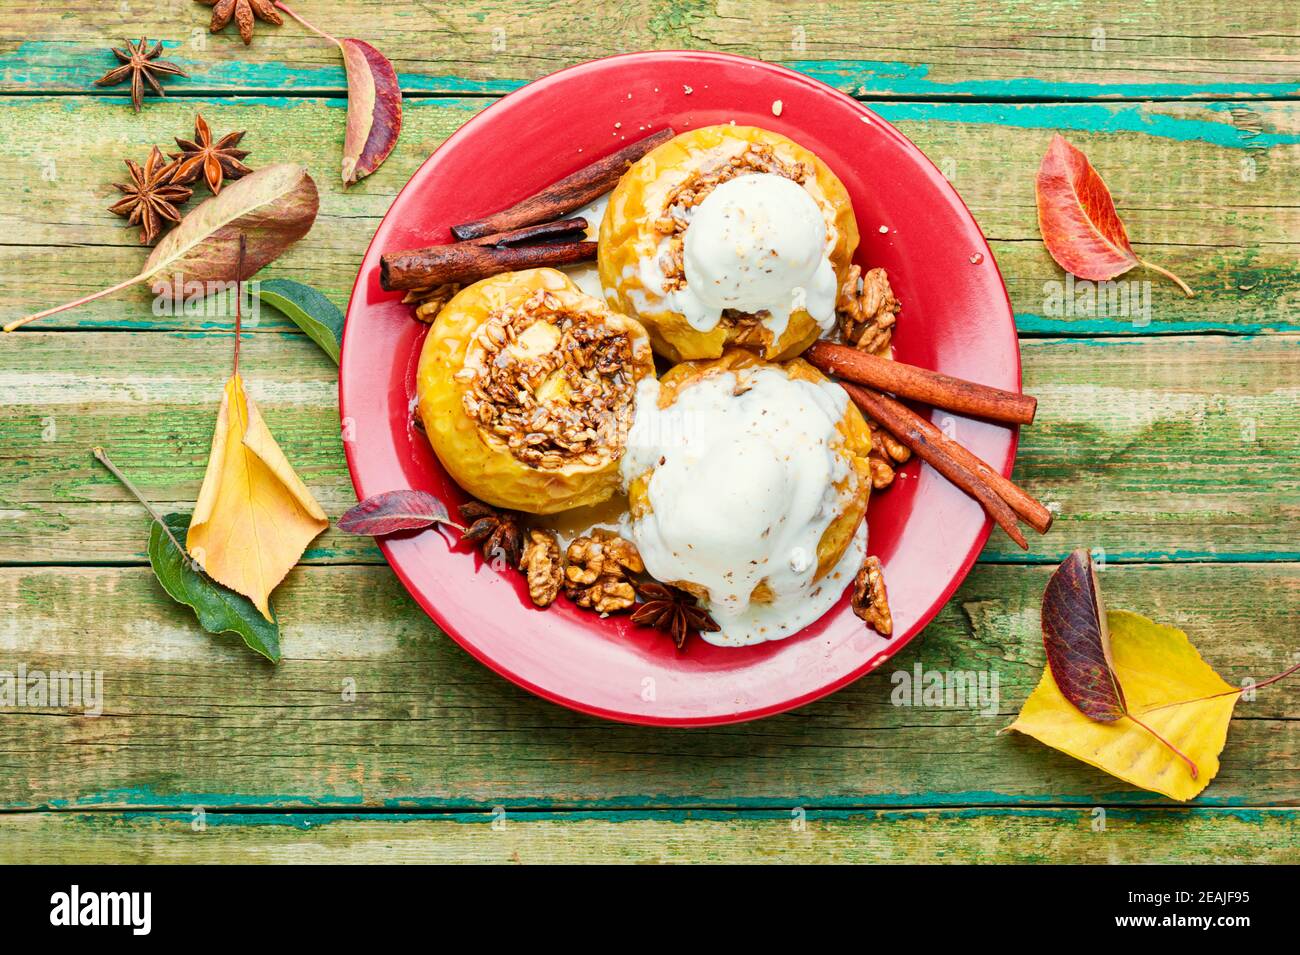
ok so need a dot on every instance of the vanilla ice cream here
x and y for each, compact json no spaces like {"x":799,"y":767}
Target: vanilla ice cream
{"x":743,"y":484}
{"x":757,"y":243}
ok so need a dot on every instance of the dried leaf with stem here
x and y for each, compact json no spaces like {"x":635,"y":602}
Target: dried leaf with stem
{"x":394,"y":511}
{"x":254,"y":516}
{"x":1077,"y":642}
{"x":1078,"y":221}
{"x":272,"y":208}
{"x":374,"y":103}
{"x":1105,"y":694}
{"x":217,"y":609}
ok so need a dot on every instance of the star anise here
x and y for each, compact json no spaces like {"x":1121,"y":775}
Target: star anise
{"x":141,"y":64}
{"x":498,"y":534}
{"x":216,"y":161}
{"x":672,"y":610}
{"x":152,"y":196}
{"x":242,"y":11}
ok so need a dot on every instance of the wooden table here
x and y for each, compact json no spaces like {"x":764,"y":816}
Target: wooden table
{"x":1170,"y":444}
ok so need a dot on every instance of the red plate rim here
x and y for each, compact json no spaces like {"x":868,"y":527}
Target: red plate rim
{"x":1002,"y":321}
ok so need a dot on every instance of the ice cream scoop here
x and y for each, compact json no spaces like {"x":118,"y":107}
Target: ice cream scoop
{"x":748,"y":481}
{"x":757,"y":243}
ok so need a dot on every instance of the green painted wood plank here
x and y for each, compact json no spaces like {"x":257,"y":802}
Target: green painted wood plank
{"x":934,"y":836}
{"x":1205,"y":189}
{"x":1153,"y":449}
{"x":1003,"y":49}
{"x":190,"y":719}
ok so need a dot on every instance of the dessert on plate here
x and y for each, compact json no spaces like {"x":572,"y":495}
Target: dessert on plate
{"x":728,"y":235}
{"x":646,"y":436}
{"x":526,"y":388}
{"x":747,"y":487}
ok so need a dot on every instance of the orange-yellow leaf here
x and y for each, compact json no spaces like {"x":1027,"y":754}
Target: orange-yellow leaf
{"x":1156,"y":665}
{"x":254,"y":516}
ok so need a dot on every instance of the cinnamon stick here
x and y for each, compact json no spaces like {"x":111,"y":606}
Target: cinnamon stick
{"x":954,"y":462}
{"x":1028,"y":508}
{"x":466,"y":262}
{"x":921,"y":384}
{"x":543,"y":232}
{"x":572,"y":192}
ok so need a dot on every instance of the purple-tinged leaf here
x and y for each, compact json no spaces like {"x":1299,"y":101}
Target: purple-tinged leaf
{"x":374,"y":109}
{"x":394,"y":511}
{"x":1077,"y":641}
{"x":374,"y":103}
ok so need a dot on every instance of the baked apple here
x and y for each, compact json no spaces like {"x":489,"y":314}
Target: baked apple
{"x":526,"y":391}
{"x":747,"y":485}
{"x":728,"y":235}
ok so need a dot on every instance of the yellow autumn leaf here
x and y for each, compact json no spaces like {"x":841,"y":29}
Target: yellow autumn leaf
{"x":254,"y":516}
{"x":1155,"y":665}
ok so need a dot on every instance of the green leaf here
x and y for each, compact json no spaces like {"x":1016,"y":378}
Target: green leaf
{"x":308,"y":309}
{"x":219,"y":610}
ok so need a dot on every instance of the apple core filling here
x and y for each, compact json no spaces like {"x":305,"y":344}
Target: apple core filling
{"x":553,"y":384}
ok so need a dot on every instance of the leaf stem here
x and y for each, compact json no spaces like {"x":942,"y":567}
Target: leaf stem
{"x":19,"y":323}
{"x":1178,"y":752}
{"x":307,"y":24}
{"x":239,"y":295}
{"x":1169,"y":275}
{"x":1214,"y":696}
{"x":102,"y":457}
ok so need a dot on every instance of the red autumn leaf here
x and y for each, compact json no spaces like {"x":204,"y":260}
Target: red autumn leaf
{"x":1078,"y":221}
{"x":374,"y":104}
{"x":1077,"y":642}
{"x":374,"y":109}
{"x":394,"y":511}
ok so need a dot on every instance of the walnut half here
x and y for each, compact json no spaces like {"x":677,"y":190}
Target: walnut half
{"x":543,"y":566}
{"x":867,"y":310}
{"x":597,"y":575}
{"x":870,"y":600}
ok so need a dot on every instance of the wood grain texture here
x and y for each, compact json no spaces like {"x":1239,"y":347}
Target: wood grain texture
{"x":1205,"y":190}
{"x":1150,"y":448}
{"x":1169,"y":442}
{"x":1135,"y":836}
{"x":191,"y":719}
{"x":1005,"y":48}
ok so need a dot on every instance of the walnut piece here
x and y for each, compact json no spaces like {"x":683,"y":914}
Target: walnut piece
{"x":605,"y":596}
{"x":543,"y":566}
{"x":596,"y":577}
{"x":429,"y":302}
{"x":870,"y":601}
{"x":882,"y":475}
{"x":866,"y":310}
{"x":886,"y":452}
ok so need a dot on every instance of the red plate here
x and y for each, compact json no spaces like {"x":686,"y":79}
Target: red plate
{"x":956,"y":318}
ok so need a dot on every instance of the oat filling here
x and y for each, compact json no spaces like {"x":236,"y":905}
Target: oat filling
{"x":553,"y":384}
